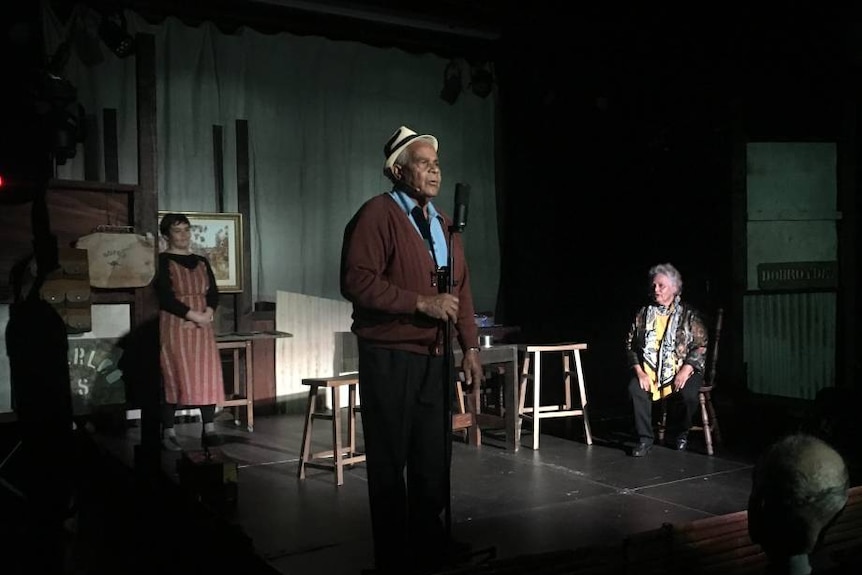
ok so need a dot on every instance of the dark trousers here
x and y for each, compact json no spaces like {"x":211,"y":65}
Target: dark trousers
{"x":404,"y":428}
{"x":681,"y":408}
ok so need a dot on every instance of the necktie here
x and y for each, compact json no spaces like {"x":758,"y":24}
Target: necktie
{"x":424,"y":227}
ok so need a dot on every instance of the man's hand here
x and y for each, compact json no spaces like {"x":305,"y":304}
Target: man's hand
{"x":471,"y":365}
{"x":442,"y":306}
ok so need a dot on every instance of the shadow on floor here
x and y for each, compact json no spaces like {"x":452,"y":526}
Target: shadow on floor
{"x":567,"y":492}
{"x":118,"y":522}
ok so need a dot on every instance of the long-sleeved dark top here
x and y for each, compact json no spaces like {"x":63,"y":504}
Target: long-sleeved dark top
{"x":165,"y":291}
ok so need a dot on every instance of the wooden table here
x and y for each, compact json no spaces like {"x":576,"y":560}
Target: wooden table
{"x":506,"y":357}
{"x":240,"y":344}
{"x":243,"y":394}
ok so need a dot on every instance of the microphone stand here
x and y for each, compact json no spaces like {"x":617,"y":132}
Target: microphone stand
{"x":448,"y":378}
{"x":446,"y":277}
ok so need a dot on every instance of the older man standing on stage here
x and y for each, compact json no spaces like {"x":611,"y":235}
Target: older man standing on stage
{"x":393,"y":251}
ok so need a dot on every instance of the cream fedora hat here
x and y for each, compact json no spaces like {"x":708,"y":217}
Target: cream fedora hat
{"x":402,"y":137}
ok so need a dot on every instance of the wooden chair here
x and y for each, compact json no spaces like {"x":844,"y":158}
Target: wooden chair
{"x":464,"y":416}
{"x":708,"y":420}
{"x":469,"y":418}
{"x":531,"y":371}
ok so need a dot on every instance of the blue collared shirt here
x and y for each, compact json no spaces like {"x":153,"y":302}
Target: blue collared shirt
{"x":441,"y":250}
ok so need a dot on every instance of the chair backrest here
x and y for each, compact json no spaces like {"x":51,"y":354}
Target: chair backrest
{"x":712,"y":352}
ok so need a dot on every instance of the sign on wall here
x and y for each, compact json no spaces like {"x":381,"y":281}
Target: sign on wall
{"x":94,"y":374}
{"x":797,"y":275}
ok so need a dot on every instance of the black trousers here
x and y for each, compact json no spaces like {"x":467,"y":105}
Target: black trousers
{"x":404,"y":429}
{"x":681,"y":407}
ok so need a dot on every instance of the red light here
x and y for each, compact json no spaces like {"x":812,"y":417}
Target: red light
{"x":14,"y":192}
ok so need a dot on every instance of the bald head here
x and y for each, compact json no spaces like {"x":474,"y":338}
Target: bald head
{"x":800,"y":484}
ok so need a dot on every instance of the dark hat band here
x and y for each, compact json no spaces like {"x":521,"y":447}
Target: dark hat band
{"x":388,"y":149}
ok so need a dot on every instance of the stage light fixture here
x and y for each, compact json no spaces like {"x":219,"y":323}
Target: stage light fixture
{"x":88,"y":47}
{"x":451,"y":82}
{"x":481,"y":80}
{"x":112,"y":31}
{"x":60,"y":115}
{"x":68,"y":130}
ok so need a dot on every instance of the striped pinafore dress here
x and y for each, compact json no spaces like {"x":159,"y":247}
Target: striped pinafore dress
{"x":191,"y":366}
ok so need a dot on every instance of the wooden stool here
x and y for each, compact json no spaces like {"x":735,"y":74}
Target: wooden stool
{"x":340,"y":455}
{"x":539,"y":411}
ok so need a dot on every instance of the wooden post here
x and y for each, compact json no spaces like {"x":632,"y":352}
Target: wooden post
{"x":848,"y":332}
{"x":111,"y":151}
{"x":145,"y":219}
{"x":146,"y":201}
{"x":91,"y":150}
{"x":737,"y":379}
{"x":245,"y":299}
{"x":218,"y":166}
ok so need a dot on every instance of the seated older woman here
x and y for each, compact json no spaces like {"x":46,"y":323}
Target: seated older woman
{"x":666,"y":349}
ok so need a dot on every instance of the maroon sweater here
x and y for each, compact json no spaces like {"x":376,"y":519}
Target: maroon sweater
{"x":385,"y":266}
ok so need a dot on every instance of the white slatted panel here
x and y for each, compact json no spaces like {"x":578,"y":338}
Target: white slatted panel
{"x":316,"y":348}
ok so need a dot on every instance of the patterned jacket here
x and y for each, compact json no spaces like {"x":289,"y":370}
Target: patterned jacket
{"x":690,"y":341}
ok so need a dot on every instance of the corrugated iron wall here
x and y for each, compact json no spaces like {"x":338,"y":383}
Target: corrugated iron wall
{"x":789,"y":343}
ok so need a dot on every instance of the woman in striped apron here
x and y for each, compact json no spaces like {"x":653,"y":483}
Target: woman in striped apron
{"x":189,"y":357}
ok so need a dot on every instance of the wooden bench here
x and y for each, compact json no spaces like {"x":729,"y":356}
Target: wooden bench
{"x":722,"y":545}
{"x":715,"y":545}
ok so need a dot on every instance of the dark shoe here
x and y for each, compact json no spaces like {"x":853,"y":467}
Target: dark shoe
{"x":681,"y":443}
{"x":641,"y":449}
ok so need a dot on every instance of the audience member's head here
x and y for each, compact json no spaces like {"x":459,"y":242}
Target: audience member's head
{"x":799,"y":486}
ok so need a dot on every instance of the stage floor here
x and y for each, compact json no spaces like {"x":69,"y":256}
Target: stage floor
{"x":566,"y":495}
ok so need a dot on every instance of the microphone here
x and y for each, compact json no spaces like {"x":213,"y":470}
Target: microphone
{"x":462,"y":200}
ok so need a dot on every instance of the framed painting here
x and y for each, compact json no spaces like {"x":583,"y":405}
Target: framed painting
{"x":218,"y":236}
